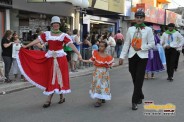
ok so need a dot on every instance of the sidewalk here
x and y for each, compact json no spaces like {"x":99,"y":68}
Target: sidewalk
{"x":20,"y":85}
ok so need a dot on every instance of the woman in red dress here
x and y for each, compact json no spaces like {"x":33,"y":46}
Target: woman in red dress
{"x":48,"y":70}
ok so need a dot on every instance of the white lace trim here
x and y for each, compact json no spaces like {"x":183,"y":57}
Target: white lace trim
{"x":100,"y":62}
{"x":57,"y":91}
{"x":59,"y":53}
{"x":39,"y":37}
{"x":39,"y":86}
{"x":27,"y":77}
{"x":99,"y":96}
{"x":54,"y":38}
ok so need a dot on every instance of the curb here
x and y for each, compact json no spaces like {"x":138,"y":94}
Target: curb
{"x":21,"y":87}
{"x":27,"y":85}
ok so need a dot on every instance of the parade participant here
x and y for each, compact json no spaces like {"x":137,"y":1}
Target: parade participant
{"x":100,"y":86}
{"x":48,"y":70}
{"x":172,"y":40}
{"x":154,"y":63}
{"x":139,"y":40}
{"x":6,"y":45}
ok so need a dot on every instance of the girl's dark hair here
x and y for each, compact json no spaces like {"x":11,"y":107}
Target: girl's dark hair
{"x":7,"y":34}
{"x":105,"y":43}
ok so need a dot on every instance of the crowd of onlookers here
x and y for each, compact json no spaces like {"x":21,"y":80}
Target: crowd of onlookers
{"x":90,"y":42}
{"x":86,"y":44}
{"x":11,"y":45}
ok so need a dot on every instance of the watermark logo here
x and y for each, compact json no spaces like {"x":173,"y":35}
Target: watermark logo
{"x":152,"y":109}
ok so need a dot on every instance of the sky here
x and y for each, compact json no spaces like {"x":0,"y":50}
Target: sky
{"x":176,"y":3}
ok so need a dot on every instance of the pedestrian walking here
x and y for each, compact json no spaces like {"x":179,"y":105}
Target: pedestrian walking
{"x":48,"y":70}
{"x":119,"y":38}
{"x":172,"y":40}
{"x":136,"y":46}
{"x":100,"y":86}
{"x":6,"y":45}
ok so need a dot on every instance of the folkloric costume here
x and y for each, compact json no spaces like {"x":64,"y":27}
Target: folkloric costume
{"x":175,"y":41}
{"x":100,"y":87}
{"x":154,"y":63}
{"x":141,"y":37}
{"x":47,"y":70}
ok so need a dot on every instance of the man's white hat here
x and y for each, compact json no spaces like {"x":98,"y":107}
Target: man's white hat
{"x":55,"y":19}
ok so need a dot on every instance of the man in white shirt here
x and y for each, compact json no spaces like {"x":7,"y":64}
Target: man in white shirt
{"x":172,"y":41}
{"x":139,"y":39}
{"x":111,"y":44}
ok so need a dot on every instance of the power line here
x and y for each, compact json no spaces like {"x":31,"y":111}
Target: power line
{"x":176,"y":3}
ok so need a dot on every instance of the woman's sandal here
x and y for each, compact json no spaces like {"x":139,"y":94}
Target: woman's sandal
{"x":47,"y":104}
{"x":103,"y":101}
{"x":98,"y":104}
{"x":152,"y":76}
{"x":62,"y":100}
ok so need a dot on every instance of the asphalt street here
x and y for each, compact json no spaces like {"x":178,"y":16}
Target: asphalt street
{"x":26,"y":105}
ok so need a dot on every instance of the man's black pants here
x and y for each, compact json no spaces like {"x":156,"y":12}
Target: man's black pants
{"x":170,"y":55}
{"x":137,"y":68}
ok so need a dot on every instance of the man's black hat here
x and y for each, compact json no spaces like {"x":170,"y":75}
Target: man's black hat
{"x":139,"y":13}
{"x":171,"y":25}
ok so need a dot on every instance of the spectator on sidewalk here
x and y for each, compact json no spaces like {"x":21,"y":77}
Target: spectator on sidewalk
{"x":6,"y":45}
{"x":39,"y":46}
{"x":85,"y":47}
{"x":95,"y":44}
{"x":15,"y":50}
{"x":68,"y":50}
{"x":119,"y":38}
{"x":136,"y":46}
{"x":100,"y":86}
{"x":172,"y":41}
{"x":76,"y":41}
{"x":111,"y":44}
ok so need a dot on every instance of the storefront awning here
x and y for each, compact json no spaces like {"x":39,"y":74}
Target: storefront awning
{"x":164,"y":1}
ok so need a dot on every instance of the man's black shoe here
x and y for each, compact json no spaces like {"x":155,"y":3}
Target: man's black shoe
{"x":134,"y":106}
{"x":171,"y":79}
{"x":140,"y":101}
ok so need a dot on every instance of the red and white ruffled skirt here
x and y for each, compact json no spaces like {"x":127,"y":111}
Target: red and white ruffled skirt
{"x":41,"y":71}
